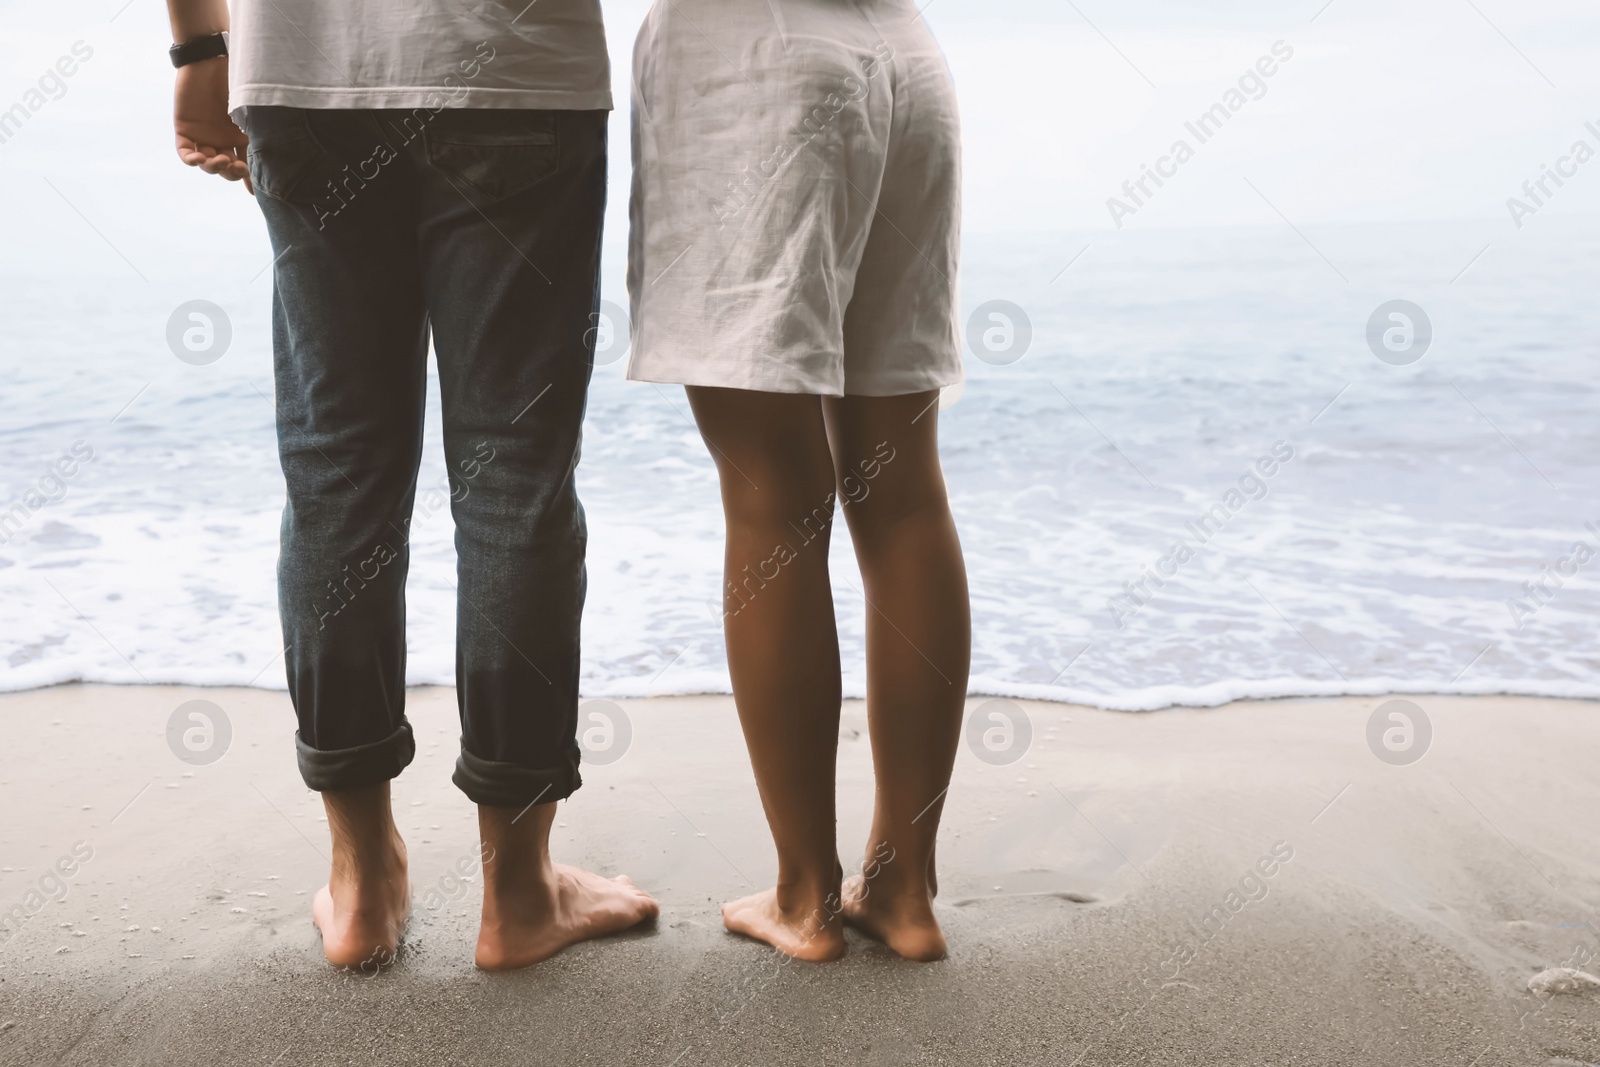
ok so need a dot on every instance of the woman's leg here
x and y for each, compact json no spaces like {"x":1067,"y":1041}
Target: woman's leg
{"x":777,"y":477}
{"x":919,"y":641}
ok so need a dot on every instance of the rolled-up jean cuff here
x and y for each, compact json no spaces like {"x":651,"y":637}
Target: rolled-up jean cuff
{"x":328,"y":770}
{"x":506,"y":785}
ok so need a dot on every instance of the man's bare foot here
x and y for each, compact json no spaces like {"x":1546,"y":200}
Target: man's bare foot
{"x":533,"y":908}
{"x":363,"y":910}
{"x":901,"y":919}
{"x":812,"y":933}
{"x":527,"y":924}
{"x":358,"y":931}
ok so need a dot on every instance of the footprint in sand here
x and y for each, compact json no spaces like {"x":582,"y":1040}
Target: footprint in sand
{"x":1075,"y":898}
{"x":1557,"y":980}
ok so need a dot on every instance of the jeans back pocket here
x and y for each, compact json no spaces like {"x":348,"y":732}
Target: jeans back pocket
{"x":283,"y":154}
{"x":498,"y":153}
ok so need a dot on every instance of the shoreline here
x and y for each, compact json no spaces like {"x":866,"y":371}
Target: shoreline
{"x":1219,"y":694}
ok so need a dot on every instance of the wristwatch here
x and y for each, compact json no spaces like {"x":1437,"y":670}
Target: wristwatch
{"x":208,"y":47}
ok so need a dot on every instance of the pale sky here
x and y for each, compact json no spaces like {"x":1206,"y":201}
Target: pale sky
{"x":1387,"y":112}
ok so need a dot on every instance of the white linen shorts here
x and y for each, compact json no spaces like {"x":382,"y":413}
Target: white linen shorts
{"x":796,"y":204}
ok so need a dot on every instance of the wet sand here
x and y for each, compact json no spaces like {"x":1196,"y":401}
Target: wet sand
{"x":1249,"y":884}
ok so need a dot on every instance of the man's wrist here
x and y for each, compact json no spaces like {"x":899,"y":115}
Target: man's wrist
{"x":196,"y":49}
{"x":197,"y":18}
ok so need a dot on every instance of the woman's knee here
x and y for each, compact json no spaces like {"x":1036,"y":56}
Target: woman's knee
{"x":785,"y":502}
{"x":771,"y":452}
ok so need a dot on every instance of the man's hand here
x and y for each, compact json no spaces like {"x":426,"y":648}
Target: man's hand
{"x":207,"y":137}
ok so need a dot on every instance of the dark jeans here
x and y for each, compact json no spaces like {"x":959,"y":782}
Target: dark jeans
{"x":483,"y":228}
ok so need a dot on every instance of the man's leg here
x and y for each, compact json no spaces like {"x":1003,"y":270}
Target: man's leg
{"x":362,"y":911}
{"x":513,"y":208}
{"x":350,"y":350}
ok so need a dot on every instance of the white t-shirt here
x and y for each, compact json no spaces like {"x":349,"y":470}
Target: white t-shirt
{"x":419,"y":53}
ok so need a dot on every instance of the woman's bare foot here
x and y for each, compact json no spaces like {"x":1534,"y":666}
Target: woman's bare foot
{"x":363,"y":910}
{"x":813,"y":932}
{"x":527,"y":924}
{"x":900,"y":918}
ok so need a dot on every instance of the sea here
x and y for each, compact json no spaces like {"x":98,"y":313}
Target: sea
{"x":1188,"y":466}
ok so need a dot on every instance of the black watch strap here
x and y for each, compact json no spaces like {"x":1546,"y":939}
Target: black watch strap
{"x":208,"y":47}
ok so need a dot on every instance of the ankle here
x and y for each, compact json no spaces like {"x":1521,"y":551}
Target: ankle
{"x":375,"y":848}
{"x":364,"y":836}
{"x":896,"y":879}
{"x":532,"y":879}
{"x":809,"y":898}
{"x":897,"y":897}
{"x":366,"y":877}
{"x":367,"y":888}
{"x":516,"y":854}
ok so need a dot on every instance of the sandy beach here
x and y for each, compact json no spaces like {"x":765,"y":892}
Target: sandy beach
{"x":1249,"y":884}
